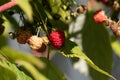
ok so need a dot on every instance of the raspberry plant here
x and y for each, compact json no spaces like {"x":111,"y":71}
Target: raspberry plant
{"x":43,"y":25}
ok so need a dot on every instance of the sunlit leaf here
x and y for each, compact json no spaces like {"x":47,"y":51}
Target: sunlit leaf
{"x":116,"y":47}
{"x":26,"y":60}
{"x":14,"y":55}
{"x":70,"y":49}
{"x":9,"y":71}
{"x":56,"y":9}
{"x":96,"y":45}
{"x":32,"y":70}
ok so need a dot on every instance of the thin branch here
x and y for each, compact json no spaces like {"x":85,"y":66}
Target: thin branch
{"x":7,"y":5}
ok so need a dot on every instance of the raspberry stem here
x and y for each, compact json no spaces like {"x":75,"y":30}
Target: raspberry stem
{"x":7,"y":5}
{"x":48,"y":53}
{"x":42,"y":21}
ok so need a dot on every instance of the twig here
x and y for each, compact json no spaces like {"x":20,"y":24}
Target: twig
{"x":7,"y":5}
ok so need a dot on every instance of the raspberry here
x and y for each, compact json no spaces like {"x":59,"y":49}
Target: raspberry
{"x":57,"y":38}
{"x":99,"y":16}
{"x":36,"y":43}
{"x":23,"y":34}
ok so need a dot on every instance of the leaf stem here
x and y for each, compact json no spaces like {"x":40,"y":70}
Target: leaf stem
{"x":7,"y":5}
{"x":48,"y":54}
{"x":42,"y":21}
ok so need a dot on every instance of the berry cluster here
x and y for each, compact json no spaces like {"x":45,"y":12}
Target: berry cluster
{"x":100,"y":17}
{"x":24,"y":35}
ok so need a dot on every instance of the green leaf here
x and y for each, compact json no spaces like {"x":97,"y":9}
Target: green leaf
{"x":96,"y":45}
{"x":11,"y":72}
{"x":32,"y":70}
{"x":51,"y":71}
{"x":116,"y":47}
{"x":8,"y":74}
{"x":55,"y":5}
{"x":14,"y":55}
{"x":27,"y":61}
{"x":3,"y":41}
{"x":56,"y":9}
{"x":26,"y":7}
{"x":3,"y":2}
{"x":70,"y":49}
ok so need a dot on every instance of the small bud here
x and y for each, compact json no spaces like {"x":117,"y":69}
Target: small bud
{"x":81,"y":9}
{"x":64,"y":7}
{"x":12,"y":35}
{"x":116,"y":5}
{"x":73,"y":14}
{"x":67,"y":17}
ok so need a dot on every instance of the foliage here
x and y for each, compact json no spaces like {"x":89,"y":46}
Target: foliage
{"x":45,"y":16}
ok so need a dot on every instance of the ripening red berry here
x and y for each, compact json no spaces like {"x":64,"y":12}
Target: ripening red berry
{"x":99,"y":16}
{"x":57,"y":38}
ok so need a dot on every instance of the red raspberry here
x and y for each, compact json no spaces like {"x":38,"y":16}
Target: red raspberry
{"x":57,"y":38}
{"x":99,"y":16}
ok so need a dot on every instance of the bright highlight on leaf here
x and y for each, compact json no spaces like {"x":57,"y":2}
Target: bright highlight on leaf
{"x":70,"y":50}
{"x":33,"y":65}
{"x":11,"y":72}
{"x":33,"y":71}
{"x":116,"y":47}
